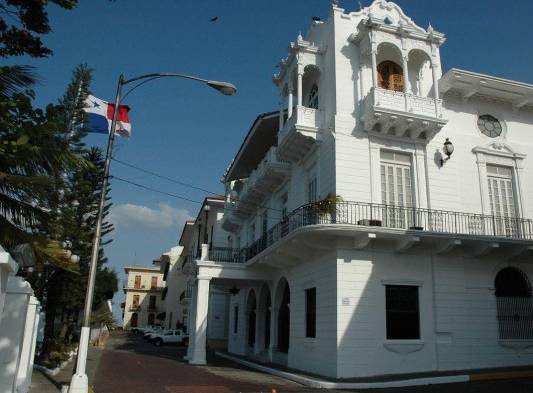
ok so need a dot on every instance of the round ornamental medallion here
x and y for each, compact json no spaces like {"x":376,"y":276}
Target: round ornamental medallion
{"x":489,"y":125}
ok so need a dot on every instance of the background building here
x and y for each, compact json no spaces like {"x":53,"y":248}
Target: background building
{"x":143,"y":296}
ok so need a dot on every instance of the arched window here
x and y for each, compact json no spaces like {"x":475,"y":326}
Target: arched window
{"x":390,"y":76}
{"x":312,"y":101}
{"x":514,"y":305}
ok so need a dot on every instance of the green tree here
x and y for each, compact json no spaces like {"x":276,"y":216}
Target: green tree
{"x":73,"y":206}
{"x":22,"y":22}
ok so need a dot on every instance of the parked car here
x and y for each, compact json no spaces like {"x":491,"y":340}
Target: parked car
{"x":174,"y":336}
{"x":153,"y":329}
{"x":141,"y":330}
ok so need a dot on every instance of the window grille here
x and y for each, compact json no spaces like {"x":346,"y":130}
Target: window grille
{"x":312,"y":101}
{"x":514,"y":305}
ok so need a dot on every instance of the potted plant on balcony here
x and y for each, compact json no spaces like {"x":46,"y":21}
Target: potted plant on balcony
{"x":327,"y":209}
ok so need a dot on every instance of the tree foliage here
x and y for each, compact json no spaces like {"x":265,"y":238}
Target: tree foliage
{"x":22,"y":22}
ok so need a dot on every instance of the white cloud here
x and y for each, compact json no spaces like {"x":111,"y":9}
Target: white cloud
{"x":133,"y":216}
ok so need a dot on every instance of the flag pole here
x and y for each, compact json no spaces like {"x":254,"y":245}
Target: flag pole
{"x":79,"y":382}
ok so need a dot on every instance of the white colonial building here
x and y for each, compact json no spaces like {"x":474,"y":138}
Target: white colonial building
{"x":354,"y":243}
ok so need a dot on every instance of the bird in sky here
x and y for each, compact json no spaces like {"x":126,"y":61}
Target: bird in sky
{"x":214,"y":18}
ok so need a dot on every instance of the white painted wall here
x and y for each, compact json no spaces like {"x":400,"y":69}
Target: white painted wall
{"x":316,"y":355}
{"x":457,"y":303}
{"x":17,"y":336}
{"x":217,"y":316}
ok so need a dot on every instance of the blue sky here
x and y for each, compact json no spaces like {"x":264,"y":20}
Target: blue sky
{"x":186,"y":131}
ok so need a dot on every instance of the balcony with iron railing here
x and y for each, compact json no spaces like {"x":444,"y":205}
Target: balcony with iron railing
{"x":268,"y":175}
{"x":299,"y":133}
{"x":402,"y":114}
{"x":365,"y":215}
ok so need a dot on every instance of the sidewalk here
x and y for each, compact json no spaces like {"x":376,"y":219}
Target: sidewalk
{"x":43,"y":383}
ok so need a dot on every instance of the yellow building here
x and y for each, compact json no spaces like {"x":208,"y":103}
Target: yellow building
{"x":143,"y":305}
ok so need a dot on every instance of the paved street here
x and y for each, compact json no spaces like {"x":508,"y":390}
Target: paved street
{"x":131,"y":365}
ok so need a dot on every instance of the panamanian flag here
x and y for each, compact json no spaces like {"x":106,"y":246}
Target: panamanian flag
{"x":100,"y":115}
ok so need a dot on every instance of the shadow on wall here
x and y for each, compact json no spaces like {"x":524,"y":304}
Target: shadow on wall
{"x":417,"y":311}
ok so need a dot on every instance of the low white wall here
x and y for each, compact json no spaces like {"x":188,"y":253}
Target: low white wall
{"x":17,"y":336}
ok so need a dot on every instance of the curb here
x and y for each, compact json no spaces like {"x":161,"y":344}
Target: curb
{"x":321,"y":384}
{"x":55,"y":371}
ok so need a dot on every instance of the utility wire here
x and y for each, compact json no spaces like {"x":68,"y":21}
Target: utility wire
{"x":148,"y":188}
{"x":165,"y":177}
{"x":154,"y":190}
{"x":183,"y":184}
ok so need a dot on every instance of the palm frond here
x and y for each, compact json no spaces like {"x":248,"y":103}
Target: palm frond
{"x":16,"y":78}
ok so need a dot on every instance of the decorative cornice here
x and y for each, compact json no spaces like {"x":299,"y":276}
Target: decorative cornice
{"x":467,"y":84}
{"x":499,"y":148}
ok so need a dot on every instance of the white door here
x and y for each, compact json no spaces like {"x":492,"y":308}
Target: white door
{"x":396,"y":189}
{"x":502,"y":200}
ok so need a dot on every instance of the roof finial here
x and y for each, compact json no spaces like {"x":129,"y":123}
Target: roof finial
{"x":300,"y":38}
{"x":334,"y":3}
{"x":430,"y":28}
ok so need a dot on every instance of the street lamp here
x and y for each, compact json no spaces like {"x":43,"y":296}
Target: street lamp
{"x":79,"y":382}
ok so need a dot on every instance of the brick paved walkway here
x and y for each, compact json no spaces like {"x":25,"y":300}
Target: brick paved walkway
{"x":131,"y":365}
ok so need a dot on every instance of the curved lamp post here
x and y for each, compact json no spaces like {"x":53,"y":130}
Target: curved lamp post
{"x":79,"y":382}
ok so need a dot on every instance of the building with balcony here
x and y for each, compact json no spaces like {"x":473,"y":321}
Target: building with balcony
{"x":200,"y":237}
{"x":174,"y":283}
{"x":143,"y":292}
{"x":353,"y":242}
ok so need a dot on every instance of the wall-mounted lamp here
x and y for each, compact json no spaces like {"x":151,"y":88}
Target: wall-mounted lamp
{"x":234,"y":290}
{"x":448,"y":150}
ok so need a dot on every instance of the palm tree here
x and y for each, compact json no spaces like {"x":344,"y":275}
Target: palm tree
{"x":34,"y":147}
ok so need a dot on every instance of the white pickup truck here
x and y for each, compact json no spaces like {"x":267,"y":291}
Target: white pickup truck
{"x":175,"y":336}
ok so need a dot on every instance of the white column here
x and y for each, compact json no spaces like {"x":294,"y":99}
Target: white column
{"x":204,"y":252}
{"x":289,"y":108}
{"x":24,"y":371}
{"x":406,"y":85}
{"x":259,"y":328}
{"x":200,"y":334}
{"x":300,"y":78}
{"x":281,"y":110}
{"x":374,"y":68}
{"x":435,"y":88}
{"x":273,"y":326}
{"x":191,"y":323}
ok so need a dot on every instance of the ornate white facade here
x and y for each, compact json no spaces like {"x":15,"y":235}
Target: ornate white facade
{"x":357,"y":244}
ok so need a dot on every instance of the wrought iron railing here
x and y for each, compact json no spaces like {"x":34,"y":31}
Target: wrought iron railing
{"x":515,"y":318}
{"x":226,"y":254}
{"x":188,"y":258}
{"x":380,"y":215}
